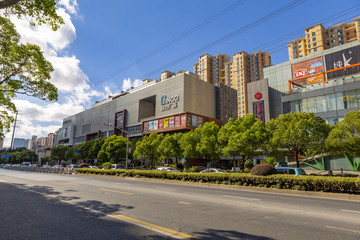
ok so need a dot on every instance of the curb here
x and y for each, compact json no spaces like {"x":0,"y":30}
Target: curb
{"x":338,"y":196}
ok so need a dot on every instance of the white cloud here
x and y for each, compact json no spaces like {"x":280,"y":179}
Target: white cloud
{"x":127,"y":83}
{"x":70,"y":5}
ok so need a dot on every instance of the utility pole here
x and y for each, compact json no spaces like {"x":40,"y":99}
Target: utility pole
{"x":12,"y":138}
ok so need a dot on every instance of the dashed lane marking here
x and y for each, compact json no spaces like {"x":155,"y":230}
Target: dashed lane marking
{"x":343,"y":229}
{"x":109,"y":190}
{"x":184,"y":202}
{"x":244,"y":198}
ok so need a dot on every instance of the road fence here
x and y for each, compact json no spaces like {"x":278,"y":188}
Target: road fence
{"x":42,"y":169}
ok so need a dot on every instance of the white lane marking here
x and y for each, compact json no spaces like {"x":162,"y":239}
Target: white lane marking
{"x":344,"y":229}
{"x":345,"y":210}
{"x":3,"y":181}
{"x":244,"y":198}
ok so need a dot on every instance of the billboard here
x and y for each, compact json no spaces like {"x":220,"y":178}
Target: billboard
{"x":161,"y":123}
{"x":194,"y":121}
{"x":151,"y":126}
{"x":188,"y":119}
{"x":341,"y":59}
{"x":307,"y":68}
{"x":183,"y":120}
{"x":146,"y":126}
{"x":166,"y":123}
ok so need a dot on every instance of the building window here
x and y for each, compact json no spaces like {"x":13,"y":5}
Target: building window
{"x":314,"y":44}
{"x":315,"y":49}
{"x":314,"y":39}
{"x":313,"y":33}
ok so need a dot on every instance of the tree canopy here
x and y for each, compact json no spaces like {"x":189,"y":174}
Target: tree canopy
{"x":23,"y":68}
{"x":114,"y":147}
{"x":299,"y":133}
{"x":243,"y":137}
{"x":170,"y":146}
{"x":344,"y":138}
{"x":148,"y":148}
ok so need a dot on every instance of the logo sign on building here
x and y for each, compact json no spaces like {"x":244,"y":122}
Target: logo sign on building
{"x":168,"y":103}
{"x":259,"y":110}
{"x":258,"y":95}
{"x":307,"y":68}
{"x":341,"y":59}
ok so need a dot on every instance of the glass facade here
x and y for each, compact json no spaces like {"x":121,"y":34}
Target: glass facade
{"x":331,"y":102}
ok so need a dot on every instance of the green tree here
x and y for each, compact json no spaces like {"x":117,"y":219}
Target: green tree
{"x":344,"y":138}
{"x":243,"y":137}
{"x":170,"y":147}
{"x":58,"y":153}
{"x":23,"y":70}
{"x":35,"y":11}
{"x":114,"y":147}
{"x":298,"y":133}
{"x":149,"y":148}
{"x":202,"y":142}
{"x":96,"y":147}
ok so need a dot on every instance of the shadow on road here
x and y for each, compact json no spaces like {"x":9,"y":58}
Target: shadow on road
{"x":101,"y":207}
{"x":226,"y":235}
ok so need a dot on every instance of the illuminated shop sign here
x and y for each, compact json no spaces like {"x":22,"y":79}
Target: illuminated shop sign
{"x":341,"y":59}
{"x":168,"y":103}
{"x":181,"y":120}
{"x":307,"y":68}
{"x":259,"y":110}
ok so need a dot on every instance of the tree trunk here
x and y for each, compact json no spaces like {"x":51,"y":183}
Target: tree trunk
{"x":297,"y":158}
{"x":243,"y":164}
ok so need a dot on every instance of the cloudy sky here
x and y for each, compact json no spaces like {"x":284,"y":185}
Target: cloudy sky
{"x":106,"y":47}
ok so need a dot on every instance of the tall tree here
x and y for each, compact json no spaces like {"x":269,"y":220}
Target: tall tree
{"x":170,"y":146}
{"x":344,"y":138}
{"x":149,"y":148}
{"x":58,"y":153}
{"x":23,"y":68}
{"x":299,"y":133}
{"x":243,"y":137}
{"x":202,"y":142}
{"x":114,"y":147}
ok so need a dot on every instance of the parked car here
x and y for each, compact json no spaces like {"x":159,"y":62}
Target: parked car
{"x":212,"y":170}
{"x":93,"y":167}
{"x":117,"y":166}
{"x":290,"y":171}
{"x":73,"y":167}
{"x":169,"y":169}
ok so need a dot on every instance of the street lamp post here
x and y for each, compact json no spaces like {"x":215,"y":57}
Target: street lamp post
{"x":127,"y":142}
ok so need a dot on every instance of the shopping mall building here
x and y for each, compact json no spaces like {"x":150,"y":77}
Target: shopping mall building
{"x":179,"y":102}
{"x":326,"y":83}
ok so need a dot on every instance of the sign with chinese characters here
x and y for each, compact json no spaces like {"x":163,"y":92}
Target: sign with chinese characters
{"x":259,"y":110}
{"x":341,"y":59}
{"x":307,"y":68}
{"x":168,"y":103}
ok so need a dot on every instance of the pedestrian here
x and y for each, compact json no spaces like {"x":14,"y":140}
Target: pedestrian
{"x":330,"y":172}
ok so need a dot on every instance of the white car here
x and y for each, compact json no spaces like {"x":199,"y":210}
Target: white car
{"x":212,"y":170}
{"x":169,"y":169}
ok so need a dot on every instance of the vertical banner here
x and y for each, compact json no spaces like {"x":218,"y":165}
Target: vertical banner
{"x":166,"y":122}
{"x":155,"y":124}
{"x":259,"y":110}
{"x":194,"y":120}
{"x":183,"y":120}
{"x":146,"y":126}
{"x":151,"y":126}
{"x":161,"y":123}
{"x":177,"y":121}
{"x":171,"y":122}
{"x":188,"y":119}
{"x":200,"y":121}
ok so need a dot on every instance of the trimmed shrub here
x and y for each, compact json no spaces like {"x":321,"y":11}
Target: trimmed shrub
{"x":83,"y":165}
{"x":107,"y":165}
{"x":263,"y":169}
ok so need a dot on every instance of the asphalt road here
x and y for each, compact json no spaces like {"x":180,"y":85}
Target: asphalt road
{"x":50,"y":206}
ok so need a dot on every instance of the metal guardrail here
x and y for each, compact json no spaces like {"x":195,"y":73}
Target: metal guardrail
{"x":42,"y":169}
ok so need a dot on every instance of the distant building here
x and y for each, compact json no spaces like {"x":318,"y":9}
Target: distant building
{"x":236,"y":73}
{"x":21,"y":142}
{"x":1,"y":144}
{"x":317,"y":38}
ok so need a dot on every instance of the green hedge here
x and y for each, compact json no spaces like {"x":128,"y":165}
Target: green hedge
{"x":305,"y":183}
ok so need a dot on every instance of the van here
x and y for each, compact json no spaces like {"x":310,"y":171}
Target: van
{"x":290,"y":171}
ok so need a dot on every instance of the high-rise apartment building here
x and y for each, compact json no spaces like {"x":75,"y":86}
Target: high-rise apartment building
{"x":317,"y":38}
{"x":211,"y":68}
{"x":235,"y":73}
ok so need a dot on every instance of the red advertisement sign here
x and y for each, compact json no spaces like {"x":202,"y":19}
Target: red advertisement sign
{"x":161,"y":123}
{"x":259,"y":110}
{"x":177,"y":121}
{"x":183,"y":120}
{"x":307,"y":68}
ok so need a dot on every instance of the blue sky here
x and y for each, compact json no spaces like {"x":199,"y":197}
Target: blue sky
{"x":105,"y":47}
